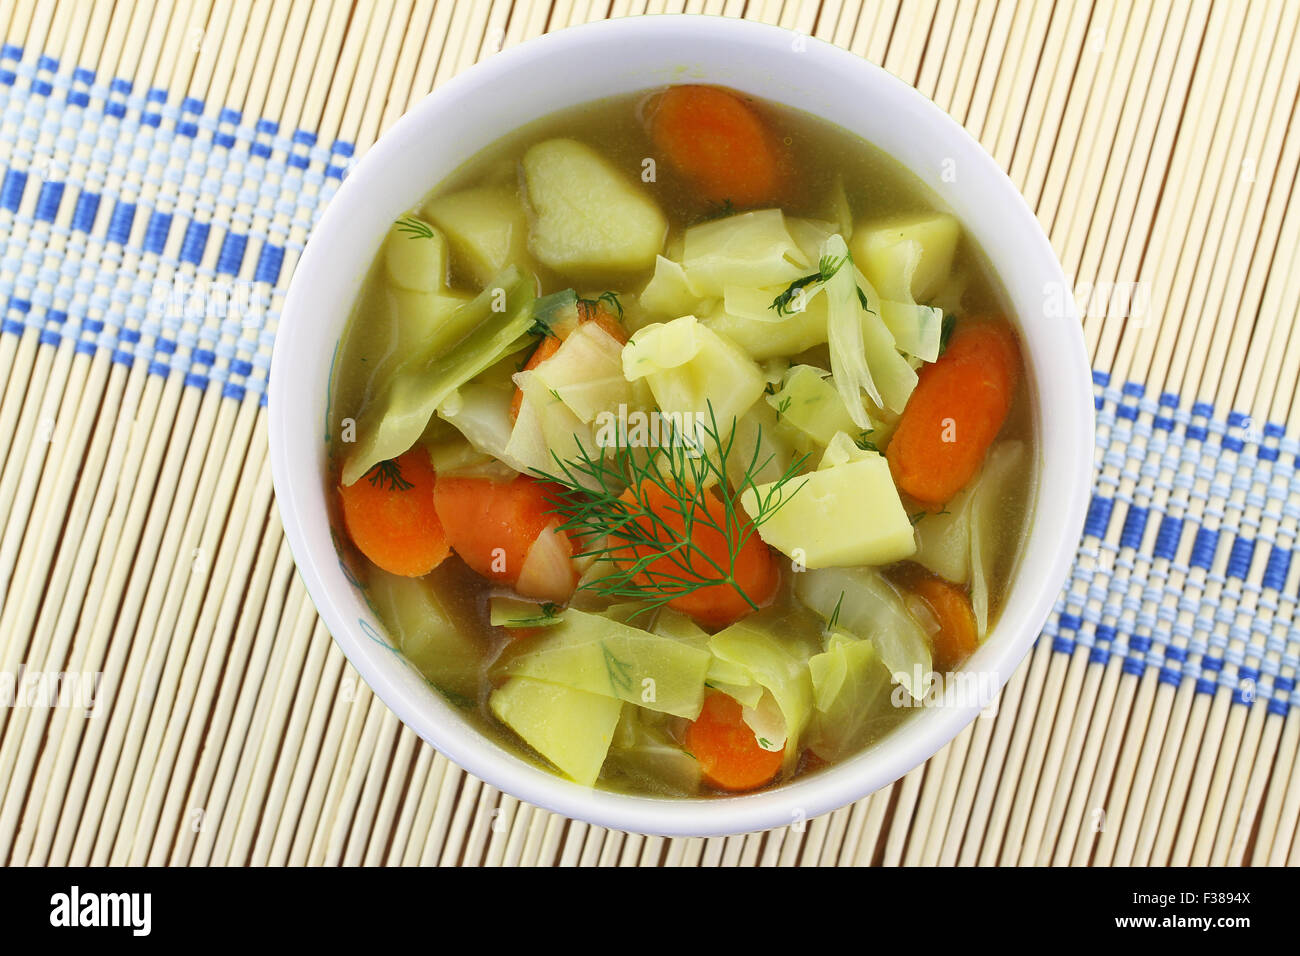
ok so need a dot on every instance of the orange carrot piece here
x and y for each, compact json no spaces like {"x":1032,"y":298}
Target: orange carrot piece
{"x":714,"y":605}
{"x":955,"y":412}
{"x":729,"y":755}
{"x":717,"y":141}
{"x":494,"y":526}
{"x":587,"y":312}
{"x":958,"y":635}
{"x":390,"y":516}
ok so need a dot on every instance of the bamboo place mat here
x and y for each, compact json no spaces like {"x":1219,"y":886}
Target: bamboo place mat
{"x":155,"y":154}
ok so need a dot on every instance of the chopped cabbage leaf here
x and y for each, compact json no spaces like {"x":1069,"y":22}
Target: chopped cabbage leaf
{"x":644,"y":751}
{"x":749,"y":249}
{"x":807,"y":401}
{"x":762,"y":647}
{"x":989,"y":526}
{"x":592,"y":653}
{"x":748,"y":319}
{"x":670,"y":293}
{"x":586,"y":372}
{"x":507,"y":611}
{"x":848,"y":679}
{"x":474,"y":337}
{"x":863,"y":352}
{"x":691,"y":368}
{"x":870,"y":608}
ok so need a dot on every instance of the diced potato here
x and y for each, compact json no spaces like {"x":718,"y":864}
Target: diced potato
{"x":416,"y":262}
{"x":884,"y":250}
{"x":486,"y":227}
{"x":587,"y":216}
{"x":845,"y":515}
{"x":570,"y":728}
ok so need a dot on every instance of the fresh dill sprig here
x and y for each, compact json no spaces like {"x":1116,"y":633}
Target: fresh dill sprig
{"x":548,"y":612}
{"x":945,"y":331}
{"x":547,"y":309}
{"x":609,"y":298}
{"x":647,"y":552}
{"x":835,"y":616}
{"x":718,"y":211}
{"x":865,"y":443}
{"x":415,"y":228}
{"x":915,"y":518}
{"x":826,"y":269}
{"x":388,"y":475}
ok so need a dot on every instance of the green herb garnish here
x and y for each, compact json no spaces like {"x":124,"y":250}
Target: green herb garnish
{"x":415,"y":228}
{"x":609,"y":298}
{"x":945,"y":331}
{"x":548,"y":613}
{"x":835,"y":616}
{"x":865,"y":443}
{"x":643,"y":556}
{"x":388,"y":474}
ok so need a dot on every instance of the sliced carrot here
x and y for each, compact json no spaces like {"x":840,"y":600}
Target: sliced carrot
{"x":729,"y":755}
{"x":754,"y":571}
{"x":957,"y":636}
{"x":717,"y":141}
{"x":588,"y":311}
{"x":390,"y":515}
{"x":506,"y":531}
{"x":955,"y":412}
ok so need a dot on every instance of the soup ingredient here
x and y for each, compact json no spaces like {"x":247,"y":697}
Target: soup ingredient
{"x":847,"y":514}
{"x":390,"y":516}
{"x":956,"y":412}
{"x":746,"y":318}
{"x":864,"y":356}
{"x":593,"y":653}
{"x":486,"y":226}
{"x":665,"y":528}
{"x":494,"y":324}
{"x":848,"y":679}
{"x":989,"y":527}
{"x":587,"y":217}
{"x":415,"y":255}
{"x":508,"y":532}
{"x":719,"y":143}
{"x":729,"y":756}
{"x":584,"y":366}
{"x":428,"y":634}
{"x":752,"y":249}
{"x":690,"y":368}
{"x":644,"y":750}
{"x":570,"y":728}
{"x":909,"y":257}
{"x":865,"y":604}
{"x":955,"y":637}
{"x":511,"y":612}
{"x":769,"y":649}
{"x":690,"y":541}
{"x":808,"y":402}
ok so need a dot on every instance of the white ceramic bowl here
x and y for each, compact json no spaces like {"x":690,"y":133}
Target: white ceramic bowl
{"x":603,"y":59}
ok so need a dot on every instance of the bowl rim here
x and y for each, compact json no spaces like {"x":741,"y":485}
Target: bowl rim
{"x":900,"y":750}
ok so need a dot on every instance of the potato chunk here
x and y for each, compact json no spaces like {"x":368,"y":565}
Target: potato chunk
{"x":840,"y":516}
{"x":587,"y":216}
{"x":486,"y":226}
{"x":923,"y":243}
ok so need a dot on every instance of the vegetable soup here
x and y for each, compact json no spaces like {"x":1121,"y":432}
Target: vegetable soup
{"x":680,"y":439}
